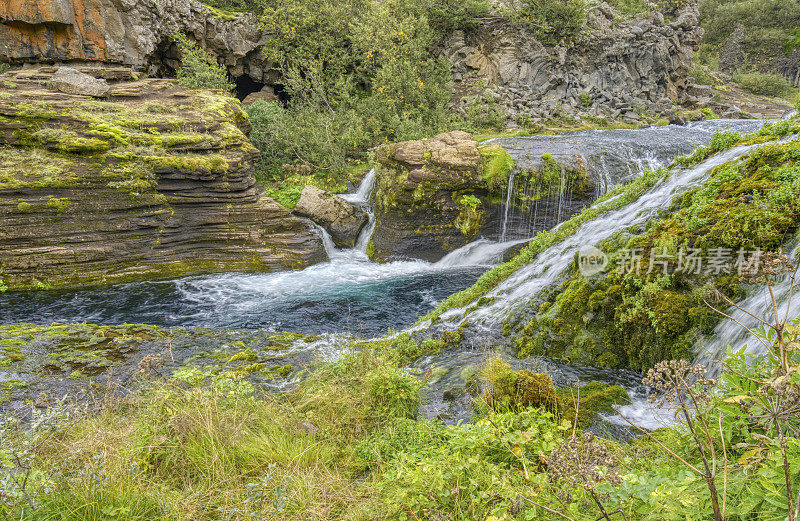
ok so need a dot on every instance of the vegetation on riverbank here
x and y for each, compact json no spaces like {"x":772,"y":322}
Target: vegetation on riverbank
{"x":347,"y":445}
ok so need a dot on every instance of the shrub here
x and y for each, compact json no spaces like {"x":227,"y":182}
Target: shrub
{"x":551,"y":20}
{"x":255,"y":6}
{"x":764,"y":84}
{"x":199,"y":69}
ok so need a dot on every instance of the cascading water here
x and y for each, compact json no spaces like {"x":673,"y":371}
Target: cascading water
{"x":352,"y":294}
{"x":525,"y":284}
{"x":610,"y":157}
{"x":348,"y":294}
{"x":731,"y":331}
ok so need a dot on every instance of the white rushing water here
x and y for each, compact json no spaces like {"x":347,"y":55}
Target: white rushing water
{"x":731,"y":331}
{"x":523,"y":285}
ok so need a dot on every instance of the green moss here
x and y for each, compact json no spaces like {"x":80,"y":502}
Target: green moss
{"x":496,"y":166}
{"x":35,"y":169}
{"x":244,"y":355}
{"x":636,"y":320}
{"x":509,"y":390}
{"x":23,"y":206}
{"x":58,"y":204}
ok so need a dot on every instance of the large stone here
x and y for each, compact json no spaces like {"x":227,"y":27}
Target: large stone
{"x":92,"y":196}
{"x":419,"y":185}
{"x":266,"y":94}
{"x":342,"y":220}
{"x":71,"y":81}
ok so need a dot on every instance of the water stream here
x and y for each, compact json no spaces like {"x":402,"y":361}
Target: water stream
{"x":352,"y":295}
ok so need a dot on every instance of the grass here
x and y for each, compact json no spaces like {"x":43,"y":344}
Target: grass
{"x":345,"y":445}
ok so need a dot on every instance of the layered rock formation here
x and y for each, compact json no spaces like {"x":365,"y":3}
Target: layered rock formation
{"x":157,"y":184}
{"x":617,"y":69}
{"x":342,"y":220}
{"x":128,"y":32}
{"x":435,"y":195}
{"x":419,"y":193}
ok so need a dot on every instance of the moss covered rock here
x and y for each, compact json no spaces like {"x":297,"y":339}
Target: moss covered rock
{"x":430,"y":197}
{"x":156,"y":182}
{"x":506,"y":389}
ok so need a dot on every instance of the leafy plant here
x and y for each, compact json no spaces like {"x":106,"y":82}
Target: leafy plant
{"x":764,"y":84}
{"x":199,"y":69}
{"x":551,"y":21}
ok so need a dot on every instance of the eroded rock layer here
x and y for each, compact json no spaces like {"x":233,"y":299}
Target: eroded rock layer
{"x":129,"y":32}
{"x":419,"y":194}
{"x":156,"y":184}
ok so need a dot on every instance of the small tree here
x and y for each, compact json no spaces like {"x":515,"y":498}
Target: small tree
{"x":199,"y":69}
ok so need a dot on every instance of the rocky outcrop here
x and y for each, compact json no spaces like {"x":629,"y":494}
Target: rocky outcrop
{"x":266,"y":94}
{"x":342,"y":220}
{"x":128,"y":32}
{"x":418,"y":198}
{"x":156,"y":182}
{"x":617,"y":69}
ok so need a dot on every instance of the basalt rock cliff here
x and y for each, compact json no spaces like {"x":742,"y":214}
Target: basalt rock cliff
{"x":620,"y":68}
{"x":157,"y":182}
{"x":135,"y":33}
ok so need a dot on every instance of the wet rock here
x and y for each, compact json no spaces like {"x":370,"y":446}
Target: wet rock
{"x":342,"y":220}
{"x":416,"y":210}
{"x":72,"y":81}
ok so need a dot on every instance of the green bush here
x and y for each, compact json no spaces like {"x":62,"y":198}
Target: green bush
{"x":764,"y":84}
{"x":254,"y":6}
{"x":358,"y":74}
{"x":769,"y":25}
{"x":551,"y":20}
{"x":199,"y":69}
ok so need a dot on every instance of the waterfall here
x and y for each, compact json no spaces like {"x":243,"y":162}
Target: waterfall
{"x":359,"y":198}
{"x":364,"y":191}
{"x":713,"y":348}
{"x":523,"y":285}
{"x":509,"y":196}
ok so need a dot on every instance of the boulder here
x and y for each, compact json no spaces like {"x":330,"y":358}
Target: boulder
{"x":266,"y":94}
{"x":342,"y":220}
{"x":72,"y":81}
{"x":417,"y":199}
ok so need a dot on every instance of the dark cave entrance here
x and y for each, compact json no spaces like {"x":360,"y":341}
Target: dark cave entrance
{"x":245,"y":85}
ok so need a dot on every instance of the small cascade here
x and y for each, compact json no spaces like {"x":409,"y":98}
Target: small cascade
{"x":523,"y":286}
{"x":358,"y":198}
{"x":730,"y":332}
{"x":482,"y":252}
{"x":508,"y":205}
{"x":364,"y":191}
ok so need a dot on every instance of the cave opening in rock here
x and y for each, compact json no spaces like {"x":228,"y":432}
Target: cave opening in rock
{"x":245,"y":85}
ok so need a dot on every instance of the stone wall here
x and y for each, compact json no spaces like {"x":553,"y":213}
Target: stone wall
{"x":618,"y":69}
